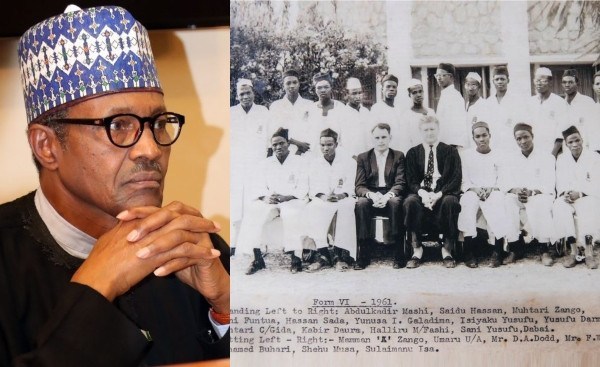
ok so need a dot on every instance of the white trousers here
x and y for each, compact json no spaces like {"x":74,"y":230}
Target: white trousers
{"x":493,"y":212}
{"x":585,"y":209}
{"x":259,"y":213}
{"x":535,"y":216}
{"x":319,"y":213}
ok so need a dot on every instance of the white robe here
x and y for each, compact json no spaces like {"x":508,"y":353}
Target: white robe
{"x":335,"y":178}
{"x":583,"y":113}
{"x":548,"y":120}
{"x":502,"y":117}
{"x":451,"y":113}
{"x":582,"y":217}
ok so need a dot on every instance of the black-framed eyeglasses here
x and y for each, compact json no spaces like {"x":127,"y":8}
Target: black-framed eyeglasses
{"x":125,"y":129}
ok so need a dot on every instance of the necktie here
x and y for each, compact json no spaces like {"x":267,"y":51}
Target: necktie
{"x":429,"y":175}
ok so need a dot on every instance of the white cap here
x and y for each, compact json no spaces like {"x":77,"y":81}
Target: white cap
{"x":353,"y":83}
{"x":244,"y":82}
{"x":71,"y":8}
{"x":543,"y":72}
{"x":474,"y":76}
{"x":413,"y":83}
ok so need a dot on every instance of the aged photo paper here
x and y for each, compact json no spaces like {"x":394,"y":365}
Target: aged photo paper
{"x":521,"y":314}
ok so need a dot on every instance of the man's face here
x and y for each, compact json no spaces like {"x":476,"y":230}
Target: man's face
{"x":291,"y":85}
{"x":524,"y":140}
{"x":542,"y":83}
{"x":575,"y":144}
{"x":481,"y":137}
{"x":569,"y":84}
{"x":416,"y":94}
{"x":429,"y":132}
{"x":390,"y":89}
{"x":103,"y":176}
{"x":471,"y":87}
{"x":280,"y":146}
{"x":501,"y":82}
{"x":597,"y":85}
{"x":381,"y":139}
{"x":355,"y":96}
{"x":443,"y":78}
{"x":245,"y":95}
{"x":328,"y":145}
{"x":323,"y":89}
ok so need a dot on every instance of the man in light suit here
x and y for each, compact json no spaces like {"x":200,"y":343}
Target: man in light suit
{"x":433,"y":173}
{"x":380,"y":186}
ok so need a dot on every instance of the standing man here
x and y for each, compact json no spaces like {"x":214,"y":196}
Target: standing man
{"x":389,"y":109}
{"x":357,"y":128}
{"x":411,"y":135}
{"x":529,"y":183}
{"x":475,"y":106}
{"x":578,"y":188}
{"x":249,"y":143}
{"x":505,"y":109}
{"x":548,"y":113}
{"x":451,"y":114}
{"x":291,"y":112}
{"x":324,"y":113}
{"x":331,"y":181}
{"x":93,"y":266}
{"x":281,"y":190}
{"x":480,"y":183}
{"x":380,"y":186}
{"x":434,"y":176}
{"x":581,"y":110}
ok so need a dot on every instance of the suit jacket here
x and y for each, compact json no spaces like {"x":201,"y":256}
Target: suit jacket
{"x":448,"y":164}
{"x":367,"y":174}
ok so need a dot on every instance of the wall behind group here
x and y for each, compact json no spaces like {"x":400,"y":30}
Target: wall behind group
{"x":193,"y":67}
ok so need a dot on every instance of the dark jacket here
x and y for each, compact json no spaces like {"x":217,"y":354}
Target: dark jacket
{"x":448,"y":164}
{"x":367,"y":174}
{"x":46,"y":320}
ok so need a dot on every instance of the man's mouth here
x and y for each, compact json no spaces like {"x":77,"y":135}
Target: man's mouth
{"x":146,"y":179}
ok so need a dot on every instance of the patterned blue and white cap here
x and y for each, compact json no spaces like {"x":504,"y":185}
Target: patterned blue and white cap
{"x":83,"y":54}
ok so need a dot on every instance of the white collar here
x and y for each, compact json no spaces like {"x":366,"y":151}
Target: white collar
{"x":74,"y":241}
{"x":426,"y":146}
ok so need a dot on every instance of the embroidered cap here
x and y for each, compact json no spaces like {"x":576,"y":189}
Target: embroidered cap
{"x":83,"y":54}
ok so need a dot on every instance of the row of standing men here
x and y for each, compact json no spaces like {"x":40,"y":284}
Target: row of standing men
{"x":323,"y":110}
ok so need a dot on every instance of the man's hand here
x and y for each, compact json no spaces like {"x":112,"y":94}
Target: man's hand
{"x":193,"y":259}
{"x":112,"y":267}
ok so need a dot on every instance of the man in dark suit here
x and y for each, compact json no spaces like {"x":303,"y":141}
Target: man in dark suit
{"x":380,"y":185}
{"x":434,"y":176}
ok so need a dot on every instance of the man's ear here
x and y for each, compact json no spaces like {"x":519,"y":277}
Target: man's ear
{"x":45,"y":145}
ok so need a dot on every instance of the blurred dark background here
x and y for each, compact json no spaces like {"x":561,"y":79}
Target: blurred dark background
{"x":19,"y":15}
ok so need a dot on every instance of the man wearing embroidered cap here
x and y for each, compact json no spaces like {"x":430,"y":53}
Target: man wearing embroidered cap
{"x":578,"y":188}
{"x":89,"y":239}
{"x":581,"y":110}
{"x":475,"y":106}
{"x":411,"y":135}
{"x":249,"y":143}
{"x":291,"y":112}
{"x":528,"y":181}
{"x":450,"y":109}
{"x":547,"y":113}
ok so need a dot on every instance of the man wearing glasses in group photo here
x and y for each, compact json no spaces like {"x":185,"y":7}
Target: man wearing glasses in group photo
{"x":94,"y":270}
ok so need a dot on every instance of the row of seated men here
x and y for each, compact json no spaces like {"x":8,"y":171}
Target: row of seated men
{"x":526,"y":190}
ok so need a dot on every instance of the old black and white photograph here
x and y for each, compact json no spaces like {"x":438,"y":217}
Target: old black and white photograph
{"x":392,"y":159}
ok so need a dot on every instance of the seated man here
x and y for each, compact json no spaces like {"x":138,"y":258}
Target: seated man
{"x":433,"y":172}
{"x":529,"y":182}
{"x":578,"y":188}
{"x":281,"y":189}
{"x":380,"y":184}
{"x":480,"y":167}
{"x":331,"y":181}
